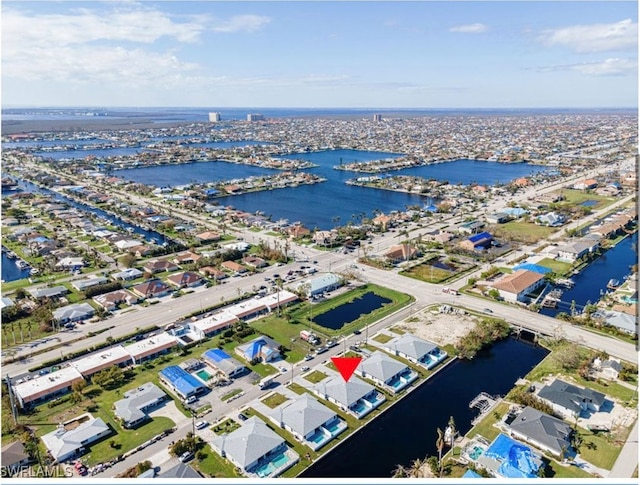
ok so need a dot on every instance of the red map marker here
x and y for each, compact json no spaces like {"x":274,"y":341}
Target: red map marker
{"x":346,"y":366}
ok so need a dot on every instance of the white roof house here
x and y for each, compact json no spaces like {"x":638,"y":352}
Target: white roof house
{"x":41,"y":387}
{"x":127,"y":274}
{"x":320,"y":284}
{"x":48,"y":292}
{"x":83,"y":284}
{"x":151,"y":346}
{"x":416,"y":350}
{"x":355,"y":396}
{"x":214,"y":323}
{"x":64,"y":444}
{"x":132,"y":410}
{"x":251,"y":444}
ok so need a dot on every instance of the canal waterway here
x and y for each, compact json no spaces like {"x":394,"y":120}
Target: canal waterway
{"x":592,"y":281}
{"x":408,"y":429}
{"x":10,"y":272}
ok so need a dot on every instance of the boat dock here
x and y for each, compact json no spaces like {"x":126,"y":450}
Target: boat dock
{"x":484,"y":403}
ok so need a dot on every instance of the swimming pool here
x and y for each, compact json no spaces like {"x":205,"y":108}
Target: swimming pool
{"x":359,"y":407}
{"x":271,"y":466}
{"x":333,"y":426}
{"x":204,"y":375}
{"x":476,"y":452}
{"x":318,"y":437}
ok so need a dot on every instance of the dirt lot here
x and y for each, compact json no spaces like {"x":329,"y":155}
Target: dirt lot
{"x":439,"y":328}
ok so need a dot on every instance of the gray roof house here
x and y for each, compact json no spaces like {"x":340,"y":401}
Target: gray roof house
{"x":82,"y":285}
{"x":127,"y":274}
{"x":48,"y":292}
{"x":355,"y":396}
{"x":180,"y":471}
{"x":386,"y":371}
{"x":542,"y":431}
{"x":132,"y":410}
{"x":14,"y":457}
{"x":73,"y":312}
{"x":254,"y":445}
{"x":64,"y":444}
{"x":416,"y":350}
{"x":310,"y":422}
{"x":622,"y":321}
{"x":568,"y":400}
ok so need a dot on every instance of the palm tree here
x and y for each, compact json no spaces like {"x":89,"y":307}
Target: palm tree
{"x":415,"y":470}
{"x":440,"y":447}
{"x":452,"y":430}
{"x":400,"y":472}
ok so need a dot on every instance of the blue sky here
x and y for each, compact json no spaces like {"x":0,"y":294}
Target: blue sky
{"x":320,"y":54}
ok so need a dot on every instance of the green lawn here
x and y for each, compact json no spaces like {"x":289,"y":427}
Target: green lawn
{"x":597,"y":450}
{"x":522,"y":231}
{"x":274,"y":400}
{"x":214,"y":466}
{"x":382,"y":338}
{"x":427,"y":272}
{"x":576,"y":197}
{"x":556,"y":470}
{"x":558,"y":267}
{"x":315,"y":377}
{"x":230,"y":394}
{"x":486,"y":426}
{"x":227,"y":426}
{"x":297,"y":388}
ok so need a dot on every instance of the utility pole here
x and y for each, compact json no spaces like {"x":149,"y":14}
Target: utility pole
{"x":14,"y":411}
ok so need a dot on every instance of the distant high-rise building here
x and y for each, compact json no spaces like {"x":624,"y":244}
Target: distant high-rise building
{"x":377,"y":117}
{"x":255,"y":117}
{"x":214,"y":117}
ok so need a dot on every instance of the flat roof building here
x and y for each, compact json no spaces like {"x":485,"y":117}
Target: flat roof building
{"x":151,"y":347}
{"x":223,"y":362}
{"x":89,"y":365}
{"x":41,"y":388}
{"x":181,"y":382}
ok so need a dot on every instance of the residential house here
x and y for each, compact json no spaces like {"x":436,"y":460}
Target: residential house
{"x":133,"y":409}
{"x":70,"y":263}
{"x":498,"y":218}
{"x":127,"y":274}
{"x":214,"y":273}
{"x":609,"y":368}
{"x":386,"y":372}
{"x":181,"y":471}
{"x":154,"y":267}
{"x":575,"y":250}
{"x":254,"y":262}
{"x":48,"y":292}
{"x":14,"y":458}
{"x":220,"y":361}
{"x":543,"y":431}
{"x":586,"y":184}
{"x":550,"y":219}
{"x":181,"y":382}
{"x":416,"y":350}
{"x":235,"y":268}
{"x":42,"y":388}
{"x":401,"y":252}
{"x":186,"y":257}
{"x":325,"y":238}
{"x":263,"y":349}
{"x":471,"y":227}
{"x":477,"y":242}
{"x":187,"y":279}
{"x":354,"y":396}
{"x":309,"y":421}
{"x":516,"y":286}
{"x":73,"y":312}
{"x":151,"y":289}
{"x":252,"y":445}
{"x":94,"y":280}
{"x":110,"y":301}
{"x":569,"y":400}
{"x":298,"y":231}
{"x":69,"y":441}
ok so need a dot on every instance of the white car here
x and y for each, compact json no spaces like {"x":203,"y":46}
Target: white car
{"x":202,"y":424}
{"x":283,"y":369}
{"x":192,"y":399}
{"x":305,"y":368}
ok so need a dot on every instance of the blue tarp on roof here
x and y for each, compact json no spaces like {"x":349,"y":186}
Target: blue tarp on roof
{"x":536,"y":268}
{"x":217,"y":355}
{"x":517,"y":460}
{"x":181,"y":380}
{"x":471,"y":474}
{"x":480,"y":237}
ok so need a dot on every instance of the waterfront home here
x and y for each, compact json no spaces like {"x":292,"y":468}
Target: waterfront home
{"x":187,"y":279}
{"x":401,"y":252}
{"x":151,"y":347}
{"x":208,"y":236}
{"x":48,"y":292}
{"x":516,"y":286}
{"x":256,"y":449}
{"x":133,"y":409}
{"x":543,"y":431}
{"x":73,"y":313}
{"x":477,"y":242}
{"x":222,"y":362}
{"x":386,"y":372}
{"x":320,"y":284}
{"x":14,"y":458}
{"x":69,"y":441}
{"x":181,"y":382}
{"x":622,"y":321}
{"x":110,"y":301}
{"x":114,"y":356}
{"x":325,"y":238}
{"x":93,"y":280}
{"x":298,"y":231}
{"x":309,"y":421}
{"x":416,"y":350}
{"x":151,"y":289}
{"x":127,"y":244}
{"x":160,"y":266}
{"x":510,"y":459}
{"x":568,"y":400}
{"x":575,"y":250}
{"x":354,"y":396}
{"x":42,"y":388}
{"x":235,"y":268}
{"x":127,"y":274}
{"x":262,"y":349}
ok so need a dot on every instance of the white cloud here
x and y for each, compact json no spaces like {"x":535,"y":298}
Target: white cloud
{"x":476,"y":28}
{"x":594,"y":37}
{"x":608,"y":67}
{"x":241,"y":23}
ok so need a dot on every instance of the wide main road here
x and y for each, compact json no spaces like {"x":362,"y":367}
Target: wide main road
{"x":170,"y":310}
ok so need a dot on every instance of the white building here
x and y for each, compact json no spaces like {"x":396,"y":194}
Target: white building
{"x":67,"y":442}
{"x":41,"y":388}
{"x":214,"y":117}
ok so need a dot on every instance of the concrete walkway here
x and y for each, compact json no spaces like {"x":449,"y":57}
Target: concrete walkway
{"x":627,"y":460}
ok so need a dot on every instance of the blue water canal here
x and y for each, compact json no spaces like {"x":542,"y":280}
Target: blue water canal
{"x":408,"y":429}
{"x":592,"y":281}
{"x":10,"y":272}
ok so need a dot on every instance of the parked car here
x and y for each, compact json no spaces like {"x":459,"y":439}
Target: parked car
{"x":357,"y":332}
{"x":242,"y":417}
{"x":186,"y":456}
{"x":305,"y":368}
{"x":308,"y":357}
{"x":192,"y":399}
{"x":283,"y":369}
{"x":202,"y":424}
{"x":321,"y":350}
